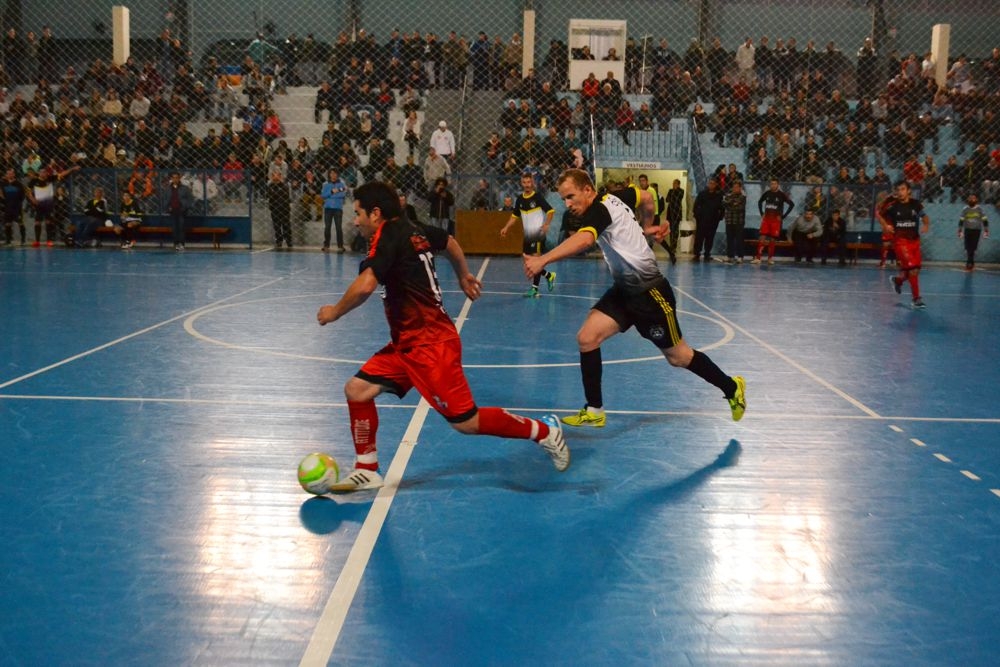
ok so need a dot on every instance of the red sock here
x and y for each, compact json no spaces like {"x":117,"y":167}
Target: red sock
{"x":364,"y":424}
{"x":770,"y":249}
{"x":885,"y":253}
{"x":914,"y":286}
{"x":760,"y":249}
{"x":499,"y":422}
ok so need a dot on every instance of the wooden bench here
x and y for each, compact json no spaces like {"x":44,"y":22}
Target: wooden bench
{"x":854,"y":247}
{"x":150,"y":231}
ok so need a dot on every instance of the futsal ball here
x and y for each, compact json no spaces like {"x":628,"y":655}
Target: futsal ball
{"x":109,"y":223}
{"x":317,"y":472}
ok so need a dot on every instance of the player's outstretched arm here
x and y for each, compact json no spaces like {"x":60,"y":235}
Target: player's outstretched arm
{"x":471,"y":285}
{"x":359,"y":291}
{"x":578,"y":242}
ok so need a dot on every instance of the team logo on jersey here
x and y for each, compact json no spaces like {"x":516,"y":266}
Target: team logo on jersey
{"x":656,"y":332}
{"x":420,"y":242}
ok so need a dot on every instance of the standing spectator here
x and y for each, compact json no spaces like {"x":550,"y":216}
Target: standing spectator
{"x":435,"y":168}
{"x":745,"y":62}
{"x":443,"y":142}
{"x":479,"y":56}
{"x":326,"y":100}
{"x":232,"y":179}
{"x":13,"y":56}
{"x":735,"y":202}
{"x":834,"y":231}
{"x":279,"y":201}
{"x":47,"y":66}
{"x":971,"y":223}
{"x":43,"y":197}
{"x":411,"y":132}
{"x":179,"y":201}
{"x":953,"y":178}
{"x":674,"y":205}
{"x":867,"y":69}
{"x":709,"y":210}
{"x":774,"y":206}
{"x":334,"y":191}
{"x":441,"y":199}
{"x":14,"y":195}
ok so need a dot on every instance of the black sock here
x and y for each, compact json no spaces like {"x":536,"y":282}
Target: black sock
{"x":537,"y":279}
{"x":590,"y":367}
{"x":706,"y":369}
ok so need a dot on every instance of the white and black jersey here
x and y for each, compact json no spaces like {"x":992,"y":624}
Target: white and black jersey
{"x":532,"y":209}
{"x":628,"y":255}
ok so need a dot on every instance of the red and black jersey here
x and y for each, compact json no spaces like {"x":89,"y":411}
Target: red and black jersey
{"x":401,"y":255}
{"x":773,"y":203}
{"x":904,"y":218}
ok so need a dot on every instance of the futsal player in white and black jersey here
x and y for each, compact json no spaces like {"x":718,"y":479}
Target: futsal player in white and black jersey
{"x":641,"y":296}
{"x":535,"y":214}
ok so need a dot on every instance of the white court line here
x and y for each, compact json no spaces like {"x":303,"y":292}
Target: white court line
{"x":129,"y":336}
{"x":942,"y":458}
{"x":331,"y":622}
{"x":995,"y":492}
{"x":918,"y":443}
{"x":971,"y":475}
{"x":895,"y":428}
{"x":781,"y":355}
{"x":294,"y":405}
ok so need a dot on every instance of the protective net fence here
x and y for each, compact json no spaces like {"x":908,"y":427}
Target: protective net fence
{"x":245,"y":98}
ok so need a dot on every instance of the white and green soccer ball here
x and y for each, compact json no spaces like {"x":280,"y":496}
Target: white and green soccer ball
{"x":317,"y":472}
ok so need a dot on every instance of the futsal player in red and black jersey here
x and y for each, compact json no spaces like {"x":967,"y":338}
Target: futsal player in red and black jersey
{"x":774,"y":206}
{"x":905,"y":218}
{"x":425,"y":351}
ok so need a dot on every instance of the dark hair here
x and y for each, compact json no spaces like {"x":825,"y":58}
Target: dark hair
{"x":382,"y":196}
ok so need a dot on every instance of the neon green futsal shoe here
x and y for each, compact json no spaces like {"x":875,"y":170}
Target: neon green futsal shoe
{"x":738,"y":403}
{"x":586,"y":418}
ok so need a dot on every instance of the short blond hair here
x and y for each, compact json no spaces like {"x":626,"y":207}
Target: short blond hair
{"x":580,"y":178}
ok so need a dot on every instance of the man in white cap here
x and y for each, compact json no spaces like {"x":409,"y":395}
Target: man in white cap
{"x":443,"y":141}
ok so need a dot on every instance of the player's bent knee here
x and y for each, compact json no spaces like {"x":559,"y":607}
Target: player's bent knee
{"x":357,"y":389}
{"x":679,"y":355}
{"x":468,"y":427}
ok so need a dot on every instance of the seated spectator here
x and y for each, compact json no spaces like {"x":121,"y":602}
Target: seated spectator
{"x":625,"y":121}
{"x":913,"y":172}
{"x":805,"y":233}
{"x":129,"y":221}
{"x":199,"y":102}
{"x":953,"y":178}
{"x":932,"y":180}
{"x":834,"y":231}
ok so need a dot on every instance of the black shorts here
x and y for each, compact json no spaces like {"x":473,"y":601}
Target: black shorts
{"x":653,"y":313}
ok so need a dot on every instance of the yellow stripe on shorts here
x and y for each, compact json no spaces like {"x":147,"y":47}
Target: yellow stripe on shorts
{"x":669,"y":313}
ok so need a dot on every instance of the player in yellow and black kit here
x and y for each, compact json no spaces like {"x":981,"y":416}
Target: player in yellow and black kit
{"x":535,"y":214}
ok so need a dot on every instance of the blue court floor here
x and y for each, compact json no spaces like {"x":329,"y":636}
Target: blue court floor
{"x":153,"y":408}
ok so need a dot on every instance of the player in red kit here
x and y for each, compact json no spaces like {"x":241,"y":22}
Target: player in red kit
{"x":425,"y":351}
{"x":905,"y":218}
{"x":886,"y":202}
{"x":774,"y":206}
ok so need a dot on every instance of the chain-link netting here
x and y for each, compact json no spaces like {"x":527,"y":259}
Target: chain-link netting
{"x":346,"y":92}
